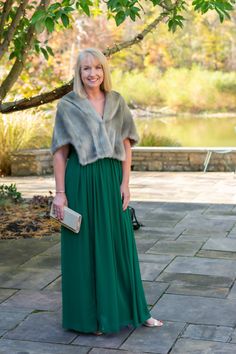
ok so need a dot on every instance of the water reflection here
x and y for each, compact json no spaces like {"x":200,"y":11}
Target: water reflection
{"x":192,"y":131}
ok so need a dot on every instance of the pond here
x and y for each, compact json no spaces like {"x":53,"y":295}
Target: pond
{"x":191,"y":130}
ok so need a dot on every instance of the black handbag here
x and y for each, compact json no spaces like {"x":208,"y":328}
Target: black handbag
{"x":136,"y":224}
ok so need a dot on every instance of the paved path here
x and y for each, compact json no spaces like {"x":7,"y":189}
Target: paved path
{"x":197,"y":187}
{"x":187,"y":252}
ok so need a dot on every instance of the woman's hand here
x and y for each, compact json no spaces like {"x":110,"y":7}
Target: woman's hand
{"x":59,"y":202}
{"x":125,"y":195}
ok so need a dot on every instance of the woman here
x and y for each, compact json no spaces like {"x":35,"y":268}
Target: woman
{"x":94,"y":130}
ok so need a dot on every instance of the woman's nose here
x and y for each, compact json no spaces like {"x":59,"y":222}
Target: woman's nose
{"x":92,"y":71}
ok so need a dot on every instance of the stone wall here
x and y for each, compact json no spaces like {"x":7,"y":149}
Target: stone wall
{"x":32,"y":163}
{"x":183,"y":159}
{"x":39,"y":162}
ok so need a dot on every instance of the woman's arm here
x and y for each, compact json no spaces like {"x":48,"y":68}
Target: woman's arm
{"x":59,"y":165}
{"x":126,"y":165}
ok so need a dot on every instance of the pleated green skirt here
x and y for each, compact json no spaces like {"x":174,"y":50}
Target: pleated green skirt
{"x":101,"y":283}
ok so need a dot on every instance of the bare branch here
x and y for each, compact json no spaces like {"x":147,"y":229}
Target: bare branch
{"x":62,"y":90}
{"x":138,"y":38}
{"x":12,"y":28}
{"x":19,"y":63}
{"x":5,"y":12}
{"x":36,"y":101}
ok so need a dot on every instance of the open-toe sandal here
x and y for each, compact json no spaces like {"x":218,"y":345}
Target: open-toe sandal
{"x":98,"y":333}
{"x":155,"y":323}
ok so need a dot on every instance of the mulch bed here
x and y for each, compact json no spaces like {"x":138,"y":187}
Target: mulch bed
{"x":26,"y":220}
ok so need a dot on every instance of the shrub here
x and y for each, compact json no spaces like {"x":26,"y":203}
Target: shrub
{"x":226,"y":82}
{"x":137,"y":87}
{"x":181,"y":89}
{"x":9,"y":195}
{"x":151,"y":139}
{"x":22,"y":130}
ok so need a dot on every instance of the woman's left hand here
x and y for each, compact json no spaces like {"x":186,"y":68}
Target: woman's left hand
{"x":125,"y":195}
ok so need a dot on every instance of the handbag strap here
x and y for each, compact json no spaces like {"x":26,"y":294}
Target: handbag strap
{"x":136,"y":224}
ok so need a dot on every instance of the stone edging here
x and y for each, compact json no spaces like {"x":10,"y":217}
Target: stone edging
{"x":39,"y":162}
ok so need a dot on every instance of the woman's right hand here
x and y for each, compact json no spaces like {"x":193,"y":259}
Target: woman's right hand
{"x":59,"y":202}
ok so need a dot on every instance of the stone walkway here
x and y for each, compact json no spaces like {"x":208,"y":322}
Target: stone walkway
{"x":187,"y":252}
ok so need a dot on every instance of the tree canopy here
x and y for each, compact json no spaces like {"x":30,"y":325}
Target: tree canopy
{"x":24,"y":24}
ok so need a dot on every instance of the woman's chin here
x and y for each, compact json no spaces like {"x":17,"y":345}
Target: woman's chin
{"x":91,"y":85}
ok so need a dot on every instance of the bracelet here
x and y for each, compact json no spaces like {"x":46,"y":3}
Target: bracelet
{"x":60,"y":191}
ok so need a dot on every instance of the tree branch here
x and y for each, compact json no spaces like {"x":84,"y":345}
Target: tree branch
{"x":138,"y":38}
{"x":62,"y":90}
{"x":12,"y":28}
{"x":5,"y":12}
{"x":19,"y":62}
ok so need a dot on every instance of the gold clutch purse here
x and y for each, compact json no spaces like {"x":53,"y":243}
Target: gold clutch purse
{"x":72,"y":219}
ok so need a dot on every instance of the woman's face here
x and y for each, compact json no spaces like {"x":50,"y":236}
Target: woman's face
{"x":91,"y":72}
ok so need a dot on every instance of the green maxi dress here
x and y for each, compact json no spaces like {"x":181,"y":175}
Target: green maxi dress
{"x":101,"y":283}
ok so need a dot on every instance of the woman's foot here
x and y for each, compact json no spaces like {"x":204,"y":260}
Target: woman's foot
{"x":152,"y":322}
{"x":98,"y":333}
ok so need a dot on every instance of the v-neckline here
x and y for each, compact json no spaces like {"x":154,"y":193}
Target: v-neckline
{"x":101,"y":117}
{"x":86,"y":106}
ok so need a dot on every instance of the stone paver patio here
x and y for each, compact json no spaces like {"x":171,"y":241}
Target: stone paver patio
{"x":187,"y":253}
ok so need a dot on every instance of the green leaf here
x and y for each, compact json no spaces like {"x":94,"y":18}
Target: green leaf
{"x":197,"y":2}
{"x":68,"y":9}
{"x":227,"y":15}
{"x":65,"y":20}
{"x":57,"y":15}
{"x":205,"y":7}
{"x":133,"y":12}
{"x":221,"y":16}
{"x":132,"y":15}
{"x":224,"y":5}
{"x":45,"y":53}
{"x":135,"y":9}
{"x":49,"y":23}
{"x":50,"y":51}
{"x":120,"y":17}
{"x":174,"y":22}
{"x":38,"y":16}
{"x":37,"y":48}
{"x":18,"y":44}
{"x":65,"y":2}
{"x":84,"y":6}
{"x":156,"y":2}
{"x":197,"y":5}
{"x":39,"y":26}
{"x":179,"y":17}
{"x":54,"y":7}
{"x":12,"y":55}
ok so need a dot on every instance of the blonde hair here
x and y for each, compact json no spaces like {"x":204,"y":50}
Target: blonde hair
{"x":78,"y":85}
